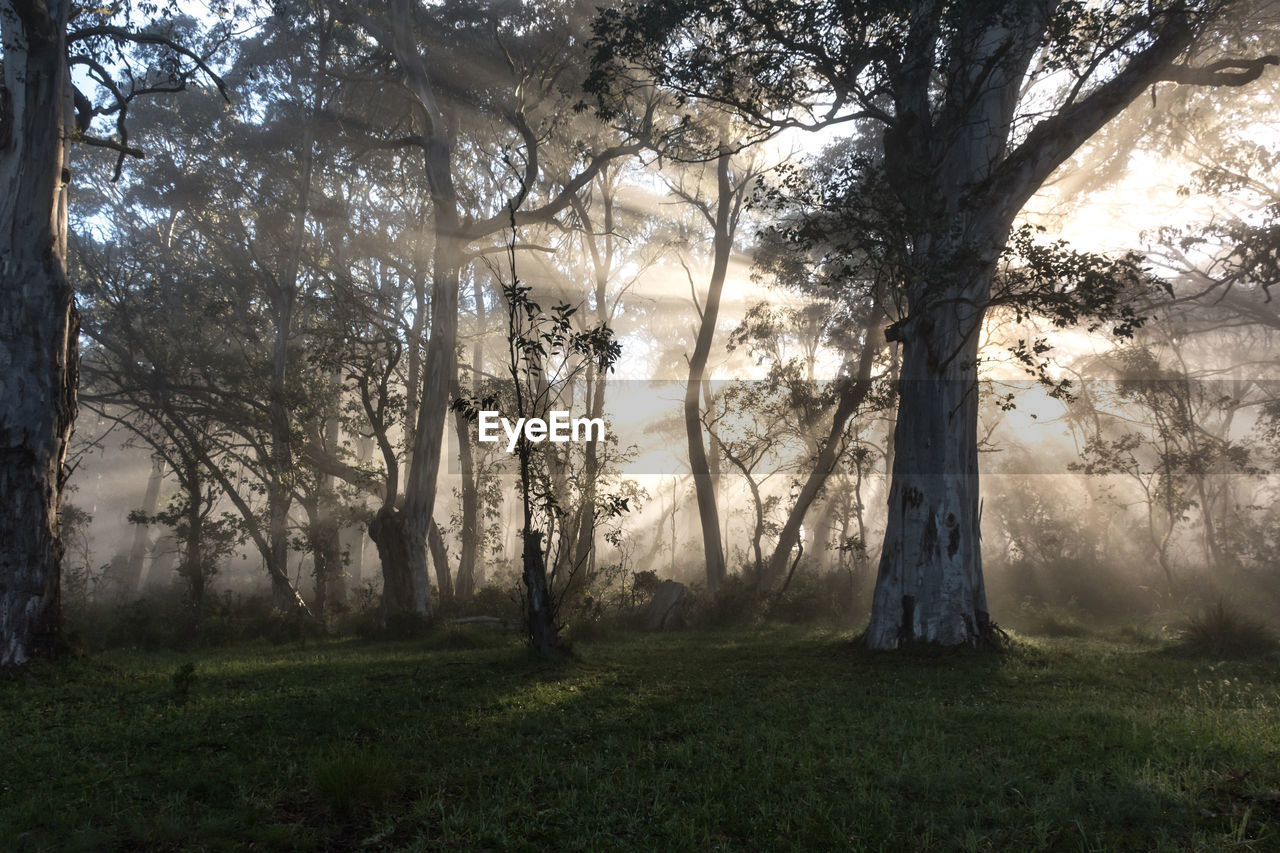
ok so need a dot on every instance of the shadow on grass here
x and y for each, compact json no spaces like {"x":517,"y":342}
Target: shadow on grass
{"x":781,"y":738}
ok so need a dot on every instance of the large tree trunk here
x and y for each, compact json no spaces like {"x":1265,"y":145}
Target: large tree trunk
{"x":424,"y":468}
{"x":930,"y":586}
{"x":38,"y":325}
{"x":387,"y":530}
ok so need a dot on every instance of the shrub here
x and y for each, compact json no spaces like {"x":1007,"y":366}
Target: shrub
{"x":350,"y":783}
{"x":813,"y":597}
{"x":737,"y":604}
{"x":499,"y":599}
{"x":1051,"y":622}
{"x":404,"y":625}
{"x":464,"y":637}
{"x":1223,"y":631}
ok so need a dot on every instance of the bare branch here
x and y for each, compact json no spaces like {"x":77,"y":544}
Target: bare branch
{"x":1228,"y":72}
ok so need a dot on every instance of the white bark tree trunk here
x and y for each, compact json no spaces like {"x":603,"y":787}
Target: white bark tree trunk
{"x":930,"y":586}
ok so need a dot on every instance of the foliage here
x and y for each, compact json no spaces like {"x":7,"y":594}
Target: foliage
{"x":80,"y":579}
{"x":545,"y":354}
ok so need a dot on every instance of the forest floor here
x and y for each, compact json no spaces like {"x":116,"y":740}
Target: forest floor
{"x":771,"y":738}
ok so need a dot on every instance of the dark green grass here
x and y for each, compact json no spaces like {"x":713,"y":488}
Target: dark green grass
{"x":766,"y":739}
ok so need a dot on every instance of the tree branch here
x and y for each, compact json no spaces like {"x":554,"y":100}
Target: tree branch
{"x":108,"y":31}
{"x":1228,"y":72}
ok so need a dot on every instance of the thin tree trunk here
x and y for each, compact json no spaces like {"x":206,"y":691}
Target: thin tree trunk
{"x":331,"y":583}
{"x":440,"y":559}
{"x":192,"y":569}
{"x":401,"y":533}
{"x":470,"y":510}
{"x":39,"y":327}
{"x":279,"y":493}
{"x":852,"y":394}
{"x":470,"y":576}
{"x":130,"y":583}
{"x":586,"y":523}
{"x":704,"y":487}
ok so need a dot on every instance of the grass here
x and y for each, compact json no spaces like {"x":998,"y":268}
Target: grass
{"x":767,"y":739}
{"x":1226,"y":632}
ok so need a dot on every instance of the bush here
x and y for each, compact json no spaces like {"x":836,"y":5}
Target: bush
{"x":737,"y":604}
{"x":1225,"y":632}
{"x":454,"y":638}
{"x":278,"y":627}
{"x":354,"y":782}
{"x":496,"y":599}
{"x":1095,"y":591}
{"x":1050,"y":621}
{"x":404,"y":625}
{"x":812,"y":598}
{"x":156,"y":622}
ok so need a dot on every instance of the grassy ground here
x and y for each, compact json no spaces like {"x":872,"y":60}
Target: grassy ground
{"x":764,"y":739}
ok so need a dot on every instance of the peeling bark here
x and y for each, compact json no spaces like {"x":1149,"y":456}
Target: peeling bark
{"x":930,"y":586}
{"x":39,"y":326}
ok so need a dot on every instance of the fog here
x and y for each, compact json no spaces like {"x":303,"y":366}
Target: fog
{"x":257,"y":301}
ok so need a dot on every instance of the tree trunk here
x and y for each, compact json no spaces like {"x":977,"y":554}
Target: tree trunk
{"x":930,"y":586}
{"x":851,"y":396}
{"x":39,"y":326}
{"x":586,"y":521}
{"x":440,"y":559}
{"x":192,"y":569}
{"x":544,"y":634}
{"x":470,"y":511}
{"x":387,"y":530}
{"x":704,"y":487}
{"x":468,"y":579}
{"x":131,"y":581}
{"x":820,"y":540}
{"x":284,"y":292}
{"x":410,"y":524}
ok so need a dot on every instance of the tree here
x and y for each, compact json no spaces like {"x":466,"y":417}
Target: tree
{"x":532,"y":61}
{"x":977,"y":104}
{"x":545,"y":355}
{"x":733,"y":182}
{"x":41,"y":113}
{"x":224,"y":230}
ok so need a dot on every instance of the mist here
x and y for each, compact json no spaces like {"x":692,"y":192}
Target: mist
{"x":910,"y":327}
